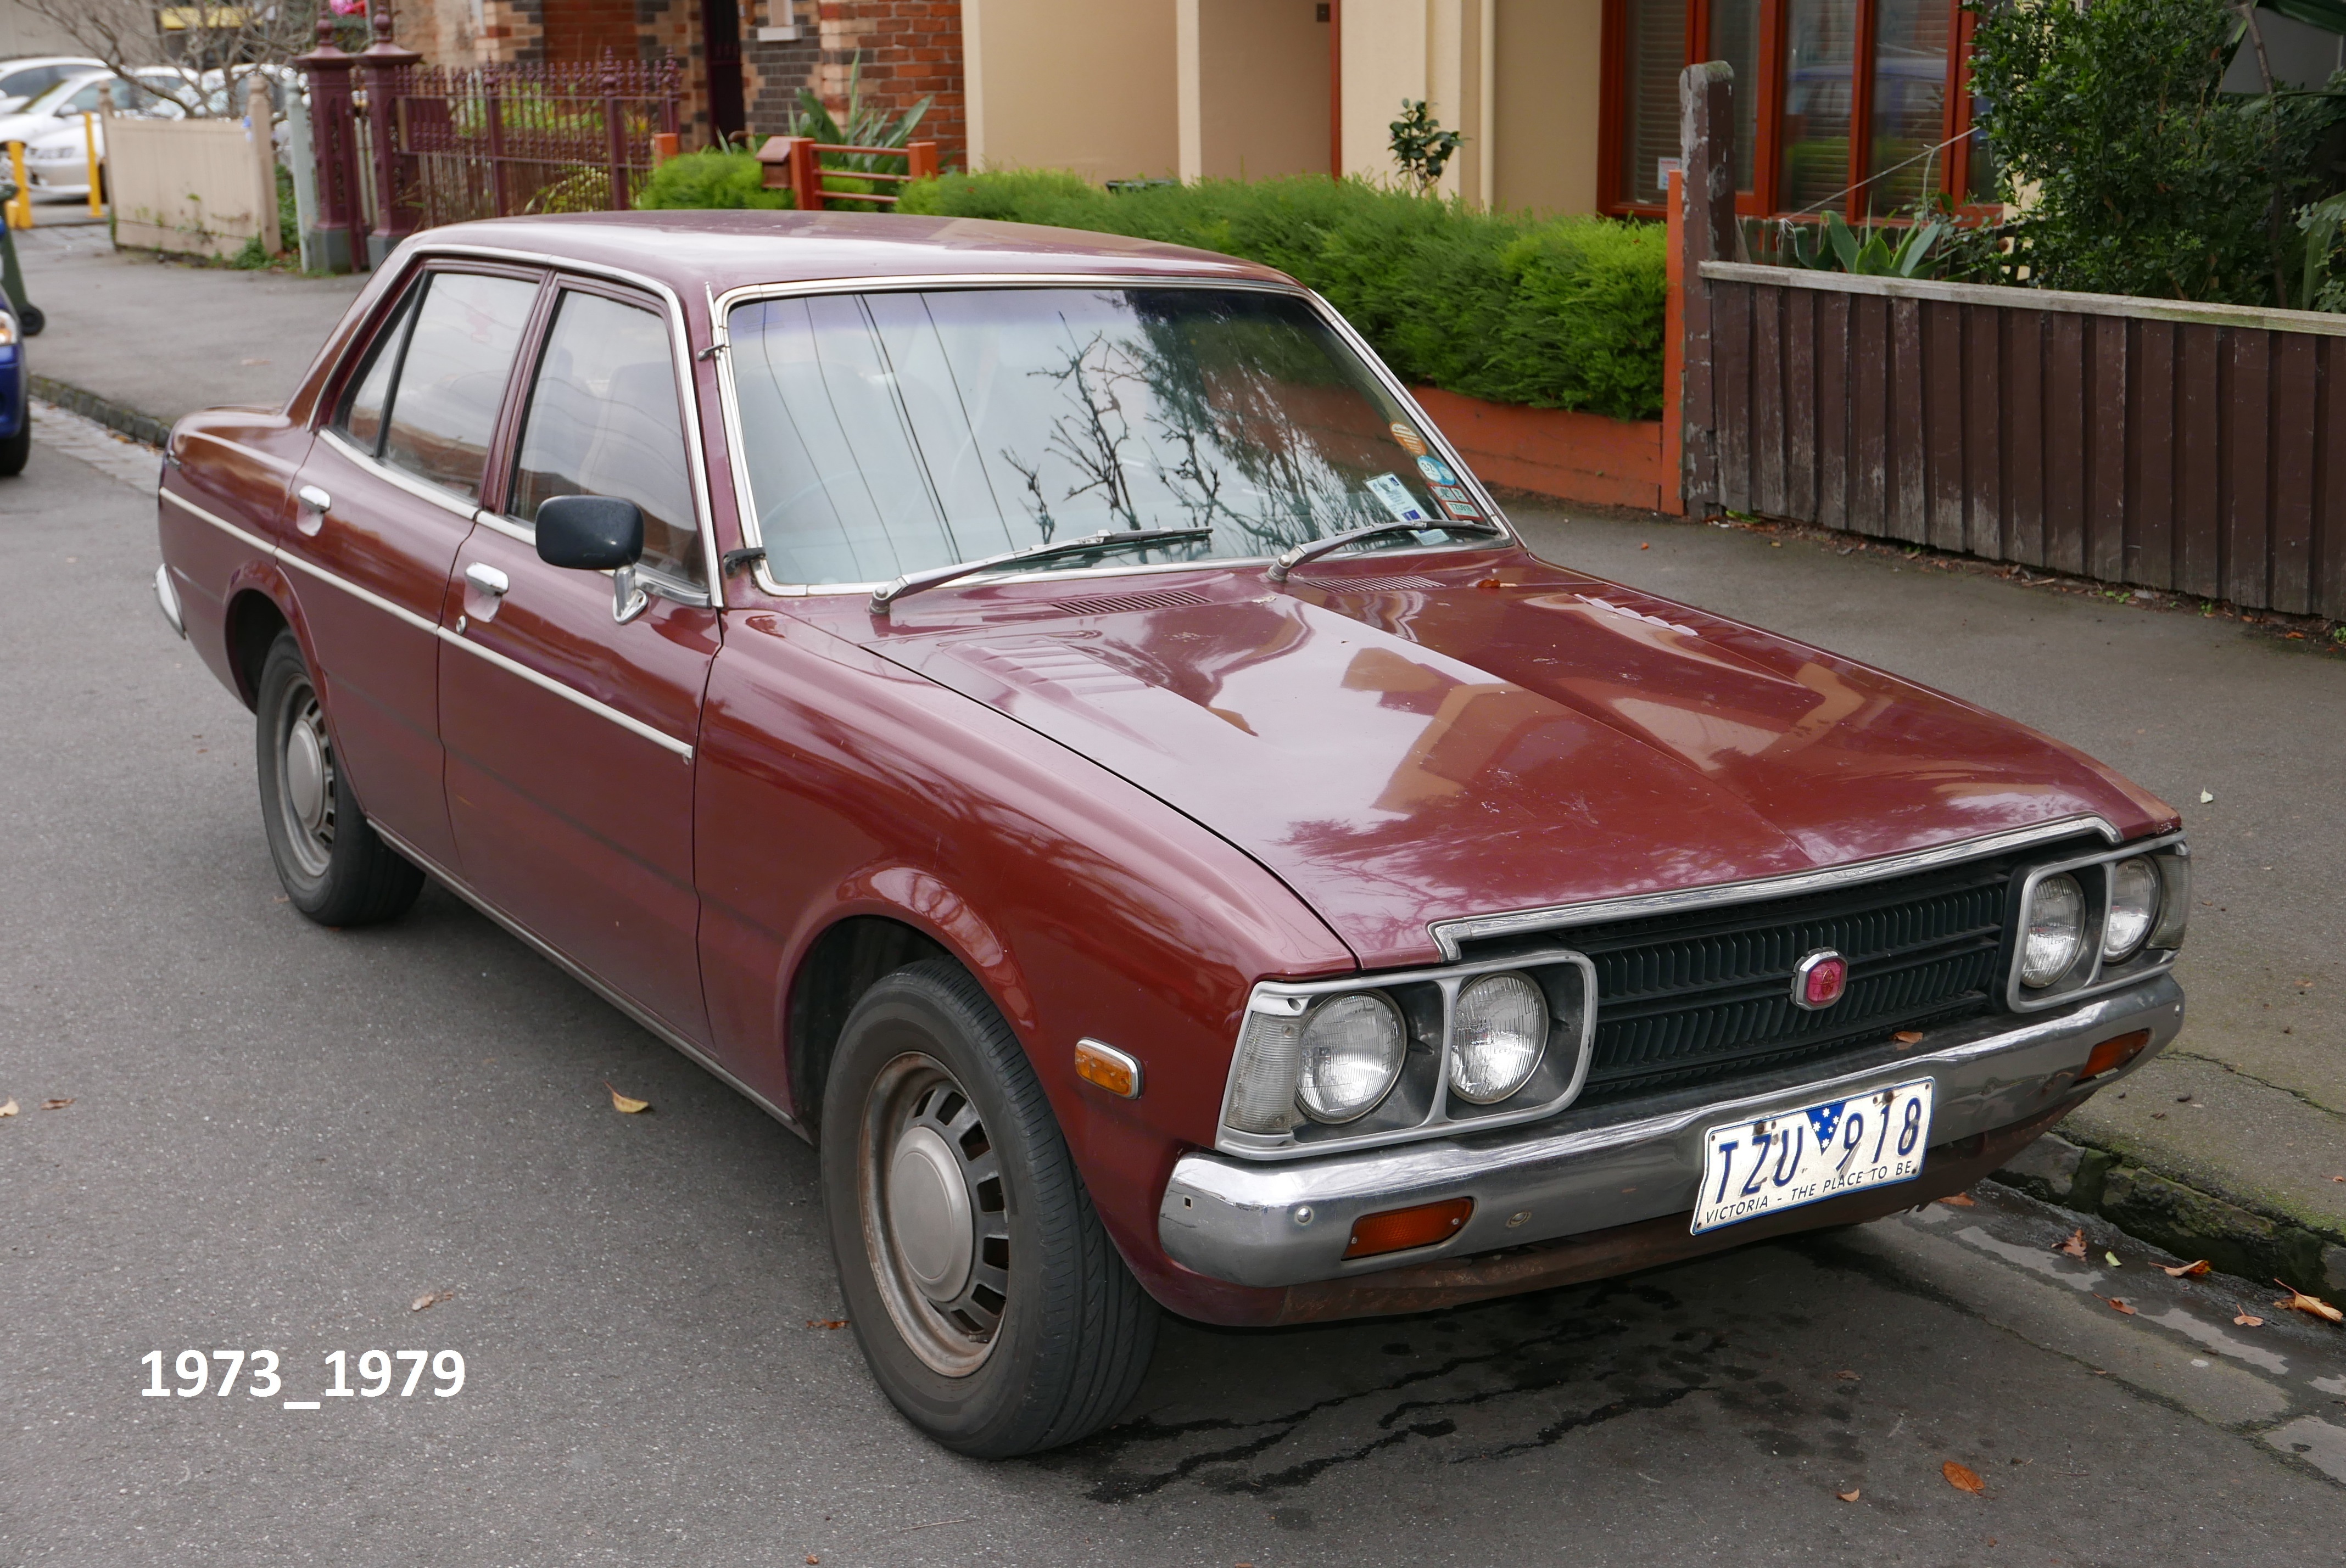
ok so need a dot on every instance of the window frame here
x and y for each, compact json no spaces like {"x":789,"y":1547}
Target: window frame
{"x":496,"y":493}
{"x":1763,"y":199}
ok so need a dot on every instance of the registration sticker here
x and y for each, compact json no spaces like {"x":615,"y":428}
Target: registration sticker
{"x":1436,"y":472}
{"x":1389,"y":489}
{"x":1821,"y":1151}
{"x":1408,"y":440}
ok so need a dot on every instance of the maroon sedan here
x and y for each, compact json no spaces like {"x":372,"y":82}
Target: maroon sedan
{"x":1049,"y":719}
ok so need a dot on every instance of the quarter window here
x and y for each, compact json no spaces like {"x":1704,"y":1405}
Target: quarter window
{"x":604,"y":421}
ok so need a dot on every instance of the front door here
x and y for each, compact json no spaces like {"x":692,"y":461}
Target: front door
{"x":570,"y":735}
{"x":384,"y":500}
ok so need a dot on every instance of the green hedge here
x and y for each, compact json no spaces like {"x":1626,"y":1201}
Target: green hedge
{"x":1552,"y":312}
{"x":712,"y":178}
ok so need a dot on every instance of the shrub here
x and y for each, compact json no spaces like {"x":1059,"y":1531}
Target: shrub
{"x":1554,"y":312}
{"x":718,"y":177}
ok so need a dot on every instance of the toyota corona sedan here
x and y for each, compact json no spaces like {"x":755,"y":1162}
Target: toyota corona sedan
{"x":1049,"y":719}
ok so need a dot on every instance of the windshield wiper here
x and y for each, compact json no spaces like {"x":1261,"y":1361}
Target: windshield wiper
{"x":1097,"y":543}
{"x":1311,"y":549}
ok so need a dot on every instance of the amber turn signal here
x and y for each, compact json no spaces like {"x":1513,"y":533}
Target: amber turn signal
{"x":1399,"y":1229}
{"x":1108,"y":1068}
{"x":2114,"y":1053}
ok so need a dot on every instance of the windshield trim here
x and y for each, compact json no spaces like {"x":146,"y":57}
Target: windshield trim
{"x":745,"y":507}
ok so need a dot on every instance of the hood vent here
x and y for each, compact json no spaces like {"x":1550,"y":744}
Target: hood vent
{"x":1367,"y":585}
{"x":1124,"y":604}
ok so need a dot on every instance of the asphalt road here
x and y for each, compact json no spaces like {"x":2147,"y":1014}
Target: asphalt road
{"x":281,"y":1137}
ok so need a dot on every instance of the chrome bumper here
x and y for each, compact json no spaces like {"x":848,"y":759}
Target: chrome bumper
{"x":167,"y":599}
{"x":1286,"y":1222}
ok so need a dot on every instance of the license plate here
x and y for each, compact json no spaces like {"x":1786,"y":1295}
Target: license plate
{"x":1821,"y":1151}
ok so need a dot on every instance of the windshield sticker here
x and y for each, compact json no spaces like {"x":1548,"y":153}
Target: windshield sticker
{"x":1451,"y":493}
{"x":1389,"y":489}
{"x":1437,"y":470}
{"x":1408,"y":439}
{"x":1460,"y":509}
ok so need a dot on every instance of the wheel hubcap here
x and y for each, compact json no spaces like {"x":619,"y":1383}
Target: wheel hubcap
{"x":937,"y":1220}
{"x":305,"y":779}
{"x":305,"y":776}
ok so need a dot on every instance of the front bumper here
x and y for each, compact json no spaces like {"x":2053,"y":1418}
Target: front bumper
{"x":1287,"y":1224}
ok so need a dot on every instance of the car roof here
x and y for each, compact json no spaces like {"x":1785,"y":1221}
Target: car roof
{"x":719,"y":250}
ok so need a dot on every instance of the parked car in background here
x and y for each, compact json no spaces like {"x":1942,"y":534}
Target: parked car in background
{"x":25,"y":78}
{"x":159,"y":93}
{"x":15,"y":394}
{"x":1049,"y":718}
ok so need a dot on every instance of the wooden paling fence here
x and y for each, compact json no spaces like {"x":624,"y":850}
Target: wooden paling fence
{"x":2196,"y":448}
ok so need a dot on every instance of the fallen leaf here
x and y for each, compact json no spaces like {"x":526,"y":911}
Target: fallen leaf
{"x":1959,"y":1200}
{"x":2185,"y":1270}
{"x":2206,"y":799}
{"x":1645,"y":546}
{"x":429,"y":1299}
{"x":826,"y":1322}
{"x":2245,"y":1319}
{"x":1908,"y":1037}
{"x":2113,"y":1303}
{"x":2112,"y":1260}
{"x":9,"y":1109}
{"x":55,"y":1105}
{"x":1849,"y":1496}
{"x":2311,"y":1306}
{"x":621,"y":1102}
{"x":1961,"y":1479}
{"x":1847,"y":1376}
{"x":2074,"y":1246}
{"x":813,"y":1558}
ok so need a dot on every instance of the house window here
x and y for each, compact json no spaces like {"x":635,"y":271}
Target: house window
{"x":1849,"y":105}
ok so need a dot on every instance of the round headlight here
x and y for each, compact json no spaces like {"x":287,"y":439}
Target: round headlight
{"x":1502,"y":1032}
{"x":2134,"y":907}
{"x":1353,"y":1049}
{"x":2056,"y":929}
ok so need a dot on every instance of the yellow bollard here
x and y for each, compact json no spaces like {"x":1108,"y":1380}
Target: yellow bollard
{"x":20,"y":210}
{"x":90,"y":147}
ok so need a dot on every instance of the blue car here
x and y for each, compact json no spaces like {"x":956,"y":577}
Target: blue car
{"x":15,"y":413}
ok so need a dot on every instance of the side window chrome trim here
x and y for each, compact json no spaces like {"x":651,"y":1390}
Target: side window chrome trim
{"x":721,"y":307}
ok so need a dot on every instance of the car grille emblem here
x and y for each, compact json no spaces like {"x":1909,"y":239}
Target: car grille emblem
{"x":1820,"y":980}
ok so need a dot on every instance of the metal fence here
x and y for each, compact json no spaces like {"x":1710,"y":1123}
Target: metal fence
{"x":2196,"y":448}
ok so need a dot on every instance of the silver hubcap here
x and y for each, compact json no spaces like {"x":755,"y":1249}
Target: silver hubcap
{"x":936,"y":1222}
{"x":305,"y":778}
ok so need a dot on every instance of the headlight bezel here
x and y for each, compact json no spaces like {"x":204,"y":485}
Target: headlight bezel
{"x":1419,"y":1103}
{"x":2092,"y":972}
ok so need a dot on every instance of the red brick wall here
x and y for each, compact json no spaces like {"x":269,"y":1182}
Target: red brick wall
{"x":588,"y":29}
{"x":911,"y":49}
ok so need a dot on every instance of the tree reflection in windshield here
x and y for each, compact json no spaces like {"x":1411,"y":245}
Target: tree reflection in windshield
{"x":895,"y":432}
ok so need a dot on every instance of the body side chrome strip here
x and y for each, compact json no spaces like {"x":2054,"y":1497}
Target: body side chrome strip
{"x":659,"y":738}
{"x":364,"y":595}
{"x":617,"y":998}
{"x":222,"y":523}
{"x":1450,"y":935}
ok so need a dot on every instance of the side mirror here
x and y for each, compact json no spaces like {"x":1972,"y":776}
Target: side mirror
{"x":597,"y":534}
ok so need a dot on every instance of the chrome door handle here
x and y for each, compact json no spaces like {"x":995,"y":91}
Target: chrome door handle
{"x":487,"y":578}
{"x":315,"y":499}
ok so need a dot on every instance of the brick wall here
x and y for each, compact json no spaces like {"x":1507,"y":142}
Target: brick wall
{"x":910,"y":49}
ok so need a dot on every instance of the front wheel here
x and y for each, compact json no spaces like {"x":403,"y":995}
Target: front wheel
{"x":333,"y":866}
{"x":990,"y":1303}
{"x":15,"y":449}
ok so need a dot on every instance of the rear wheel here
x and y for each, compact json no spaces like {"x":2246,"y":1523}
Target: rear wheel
{"x":334,"y":867}
{"x":992,"y":1308}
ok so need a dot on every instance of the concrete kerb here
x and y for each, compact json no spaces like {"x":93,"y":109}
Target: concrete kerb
{"x":144,"y":429}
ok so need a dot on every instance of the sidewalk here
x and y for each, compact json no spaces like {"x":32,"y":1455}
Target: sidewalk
{"x":2223,"y":1148}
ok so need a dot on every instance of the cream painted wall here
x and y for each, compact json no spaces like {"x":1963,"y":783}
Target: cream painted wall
{"x":1253,"y":88}
{"x":1084,"y":85}
{"x":1430,"y":49}
{"x":1548,"y":69}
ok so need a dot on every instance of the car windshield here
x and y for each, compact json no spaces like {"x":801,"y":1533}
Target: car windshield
{"x":892,"y":433}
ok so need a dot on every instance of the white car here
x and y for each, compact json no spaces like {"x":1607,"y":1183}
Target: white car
{"x":76,"y":96}
{"x":57,"y":161}
{"x":25,"y":78}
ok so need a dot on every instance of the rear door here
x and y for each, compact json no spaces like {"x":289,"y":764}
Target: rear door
{"x":570,"y":735}
{"x":385,"y":497}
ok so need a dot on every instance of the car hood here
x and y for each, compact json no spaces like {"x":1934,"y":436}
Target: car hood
{"x":1405,"y":750}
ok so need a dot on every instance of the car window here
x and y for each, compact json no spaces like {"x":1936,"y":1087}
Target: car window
{"x":29,"y":81}
{"x":452,"y":377}
{"x":85,"y":98}
{"x":603,"y":420}
{"x":361,"y":416}
{"x":890,"y":433}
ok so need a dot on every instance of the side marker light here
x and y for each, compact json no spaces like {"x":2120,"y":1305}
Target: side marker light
{"x":1108,"y":1068}
{"x":2114,"y":1053}
{"x":1399,"y":1229}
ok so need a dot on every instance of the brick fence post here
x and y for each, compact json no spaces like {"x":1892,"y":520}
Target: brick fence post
{"x":1706,"y":161}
